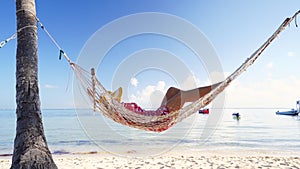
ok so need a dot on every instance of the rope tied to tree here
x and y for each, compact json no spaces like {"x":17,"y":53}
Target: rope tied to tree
{"x":14,"y":36}
{"x":61,"y":52}
{"x":3,"y":43}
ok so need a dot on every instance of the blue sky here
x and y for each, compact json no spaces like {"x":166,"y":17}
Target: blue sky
{"x":235,"y":29}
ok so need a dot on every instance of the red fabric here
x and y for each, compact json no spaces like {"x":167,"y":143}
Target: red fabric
{"x":135,"y":108}
{"x":163,"y":110}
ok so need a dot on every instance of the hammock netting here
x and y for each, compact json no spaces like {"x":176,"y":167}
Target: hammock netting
{"x":160,"y":119}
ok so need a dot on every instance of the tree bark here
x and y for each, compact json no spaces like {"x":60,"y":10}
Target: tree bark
{"x":30,"y":146}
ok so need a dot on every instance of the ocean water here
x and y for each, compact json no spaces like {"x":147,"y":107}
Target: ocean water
{"x":71,"y":131}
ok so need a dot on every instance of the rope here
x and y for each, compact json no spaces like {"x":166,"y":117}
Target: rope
{"x":14,"y":36}
{"x":61,"y":52}
{"x":26,"y":10}
{"x":205,"y":100}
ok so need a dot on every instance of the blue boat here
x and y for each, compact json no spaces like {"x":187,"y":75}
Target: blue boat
{"x":292,"y":112}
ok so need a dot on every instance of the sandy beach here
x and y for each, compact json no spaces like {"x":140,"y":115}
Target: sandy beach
{"x":212,"y":159}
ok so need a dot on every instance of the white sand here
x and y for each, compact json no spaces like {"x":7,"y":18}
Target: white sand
{"x":212,"y":159}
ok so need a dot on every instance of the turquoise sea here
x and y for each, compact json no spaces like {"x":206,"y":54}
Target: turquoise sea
{"x":73,"y":131}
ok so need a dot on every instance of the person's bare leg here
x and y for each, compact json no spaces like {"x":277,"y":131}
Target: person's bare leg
{"x":176,"y":98}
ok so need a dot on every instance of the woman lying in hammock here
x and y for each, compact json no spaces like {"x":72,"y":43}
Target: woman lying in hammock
{"x":173,"y":100}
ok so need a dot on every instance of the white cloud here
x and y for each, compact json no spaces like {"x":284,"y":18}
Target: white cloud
{"x":269,"y":65}
{"x":270,"y":93}
{"x":134,"y":81}
{"x":160,"y":86}
{"x":151,"y":96}
{"x":50,"y":86}
{"x":291,"y":54}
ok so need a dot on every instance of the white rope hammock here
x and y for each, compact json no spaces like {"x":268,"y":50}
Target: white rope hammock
{"x":116,"y":111}
{"x":160,"y":119}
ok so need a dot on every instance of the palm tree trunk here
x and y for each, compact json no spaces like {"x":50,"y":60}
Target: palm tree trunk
{"x":30,"y":146}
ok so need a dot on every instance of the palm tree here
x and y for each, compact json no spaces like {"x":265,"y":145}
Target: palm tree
{"x":30,"y":146}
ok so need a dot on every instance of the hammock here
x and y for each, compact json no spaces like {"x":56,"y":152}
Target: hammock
{"x":163,"y":118}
